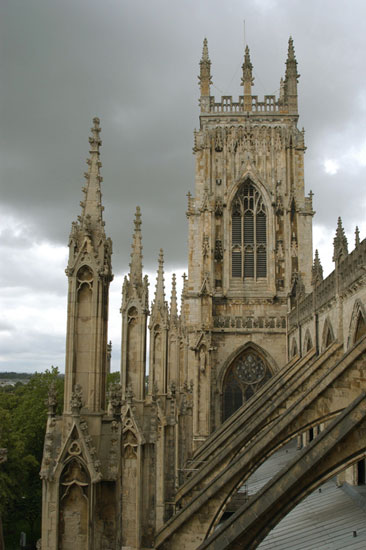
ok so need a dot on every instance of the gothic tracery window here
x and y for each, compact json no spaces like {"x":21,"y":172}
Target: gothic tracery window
{"x":244,"y":377}
{"x":249,"y":234}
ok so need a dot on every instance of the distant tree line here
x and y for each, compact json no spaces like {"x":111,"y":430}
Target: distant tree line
{"x":14,"y":375}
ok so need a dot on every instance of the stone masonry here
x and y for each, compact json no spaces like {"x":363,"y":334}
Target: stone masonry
{"x":263,"y":349}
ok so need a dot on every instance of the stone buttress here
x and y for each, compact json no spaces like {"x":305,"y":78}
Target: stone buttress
{"x":81,"y":462}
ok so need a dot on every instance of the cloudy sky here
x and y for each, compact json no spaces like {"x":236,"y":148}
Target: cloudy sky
{"x":134,"y":63}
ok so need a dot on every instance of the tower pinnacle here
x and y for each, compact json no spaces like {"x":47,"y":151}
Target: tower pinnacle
{"x":340,"y":243}
{"x":357,"y":236}
{"x":205,"y":57}
{"x":159,"y":298}
{"x":205,"y":77}
{"x":247,"y":80}
{"x":291,"y":78}
{"x":317,"y":270}
{"x":136,"y":254}
{"x":173,"y":300}
{"x":92,"y":208}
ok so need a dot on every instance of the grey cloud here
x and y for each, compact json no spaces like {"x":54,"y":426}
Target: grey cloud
{"x":135,"y":65}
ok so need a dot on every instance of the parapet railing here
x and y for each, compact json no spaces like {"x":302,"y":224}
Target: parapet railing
{"x":350,"y":270}
{"x":227,"y":105}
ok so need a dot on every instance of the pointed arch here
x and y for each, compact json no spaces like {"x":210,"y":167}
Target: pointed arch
{"x":243,"y":377}
{"x":74,"y":505}
{"x":358,"y":323}
{"x":308,"y":342}
{"x":328,"y":334}
{"x":294,"y":348}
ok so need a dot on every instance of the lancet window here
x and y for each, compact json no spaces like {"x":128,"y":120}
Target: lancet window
{"x":249,"y":234}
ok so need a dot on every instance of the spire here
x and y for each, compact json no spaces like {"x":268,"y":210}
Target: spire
{"x":173,"y":300}
{"x":291,"y":51}
{"x":317,"y":270}
{"x":291,"y":78}
{"x":136,"y":254}
{"x":247,"y":80}
{"x":340,"y":250}
{"x":357,"y":236}
{"x":205,"y":78}
{"x":159,"y":298}
{"x":91,"y":214}
{"x":205,"y":58}
{"x":88,"y":230}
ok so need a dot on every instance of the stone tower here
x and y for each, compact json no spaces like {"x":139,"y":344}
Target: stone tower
{"x":250,"y":241}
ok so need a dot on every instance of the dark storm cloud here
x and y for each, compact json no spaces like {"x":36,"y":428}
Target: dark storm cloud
{"x":135,"y":65}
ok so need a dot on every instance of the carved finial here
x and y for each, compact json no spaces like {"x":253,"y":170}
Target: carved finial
{"x":92,"y":206}
{"x":115,"y":399}
{"x":136,"y":254}
{"x":291,"y":78}
{"x":137,"y":220}
{"x":172,"y":390}
{"x":190,"y":209}
{"x":184,"y":277}
{"x":357,"y":236}
{"x":51,"y":401}
{"x":129,"y":394}
{"x":76,"y":399}
{"x":317,"y":270}
{"x":173,"y":300}
{"x":205,"y":57}
{"x":247,"y":80}
{"x":205,"y":77}
{"x":159,"y":299}
{"x":282,"y":90}
{"x":340,"y":244}
{"x":291,"y":50}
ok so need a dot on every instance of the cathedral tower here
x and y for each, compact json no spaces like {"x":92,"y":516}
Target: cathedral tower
{"x":250,"y":238}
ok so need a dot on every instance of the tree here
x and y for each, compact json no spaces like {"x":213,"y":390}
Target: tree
{"x":23,"y":416}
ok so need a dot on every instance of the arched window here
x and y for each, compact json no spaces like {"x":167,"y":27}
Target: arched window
{"x":248,"y":234}
{"x":244,"y":377}
{"x":74,"y":506}
{"x":294,"y":350}
{"x":308,"y":344}
{"x":328,"y":334}
{"x":360,"y":328}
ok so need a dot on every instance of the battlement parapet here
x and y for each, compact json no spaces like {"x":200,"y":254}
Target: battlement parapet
{"x":350,"y":270}
{"x":227,"y":105}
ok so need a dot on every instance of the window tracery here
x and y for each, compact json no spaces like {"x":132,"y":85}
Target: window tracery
{"x":244,"y":377}
{"x":249,"y":234}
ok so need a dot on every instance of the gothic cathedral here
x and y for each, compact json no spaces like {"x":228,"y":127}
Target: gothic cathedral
{"x":115,"y":459}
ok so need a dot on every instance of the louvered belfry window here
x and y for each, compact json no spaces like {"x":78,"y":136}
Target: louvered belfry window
{"x":249,"y":234}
